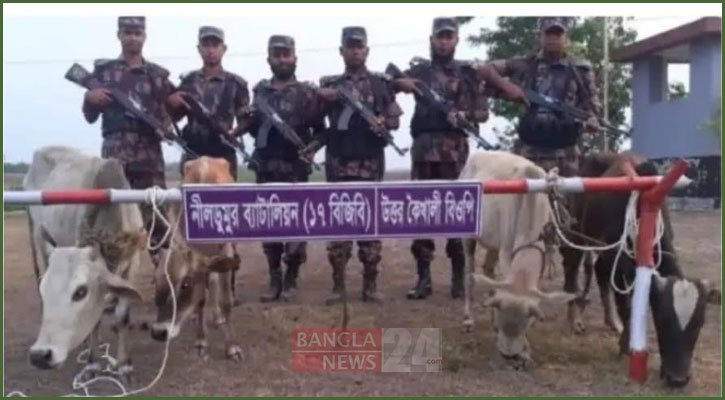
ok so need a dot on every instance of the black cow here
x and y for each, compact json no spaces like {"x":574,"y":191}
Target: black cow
{"x":677,"y":302}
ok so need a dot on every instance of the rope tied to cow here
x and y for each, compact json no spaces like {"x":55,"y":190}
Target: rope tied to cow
{"x":85,"y":384}
{"x":562,"y":220}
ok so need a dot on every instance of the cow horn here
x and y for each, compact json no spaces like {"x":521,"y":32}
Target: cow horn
{"x":557,"y":296}
{"x":47,"y":238}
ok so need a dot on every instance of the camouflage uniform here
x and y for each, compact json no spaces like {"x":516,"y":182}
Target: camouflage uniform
{"x":126,"y":138}
{"x":440,"y":150}
{"x":355,"y":153}
{"x":299,"y":105}
{"x":226,"y":96}
{"x":568,"y":80}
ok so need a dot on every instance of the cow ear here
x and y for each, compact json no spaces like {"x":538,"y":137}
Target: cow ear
{"x":712,"y":294}
{"x":121,"y":287}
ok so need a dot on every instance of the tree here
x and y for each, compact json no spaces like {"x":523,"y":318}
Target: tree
{"x":677,"y":90}
{"x":518,"y":36}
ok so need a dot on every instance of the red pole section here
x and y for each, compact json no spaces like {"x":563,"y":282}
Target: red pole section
{"x":650,"y":202}
{"x":81,"y":196}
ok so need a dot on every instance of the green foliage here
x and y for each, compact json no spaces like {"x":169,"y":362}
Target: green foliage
{"x":16,"y":168}
{"x":519,"y":36}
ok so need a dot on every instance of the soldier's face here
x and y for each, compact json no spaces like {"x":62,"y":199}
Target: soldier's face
{"x":354,"y":53}
{"x":553,"y":40}
{"x":212,"y":50}
{"x":132,"y":39}
{"x":282,"y":61}
{"x":444,"y":43}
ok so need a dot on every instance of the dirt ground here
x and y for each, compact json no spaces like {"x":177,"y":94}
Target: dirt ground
{"x":564,"y":364}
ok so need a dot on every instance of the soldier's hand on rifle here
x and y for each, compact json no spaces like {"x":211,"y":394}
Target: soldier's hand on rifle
{"x":591,"y":124}
{"x":99,"y":98}
{"x":176,"y":101}
{"x":308,"y":152}
{"x":514,"y":92}
{"x":379,"y":127}
{"x":452,"y":117}
{"x":328,"y":94}
{"x":408,"y":85}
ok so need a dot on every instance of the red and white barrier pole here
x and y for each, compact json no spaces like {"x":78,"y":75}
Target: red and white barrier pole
{"x":108,"y":196}
{"x":650,"y":202}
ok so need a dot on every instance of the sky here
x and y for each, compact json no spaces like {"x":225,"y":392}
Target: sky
{"x":41,"y":108}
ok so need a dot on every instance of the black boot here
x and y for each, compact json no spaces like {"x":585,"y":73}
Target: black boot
{"x":369,"y":291}
{"x":457,"y":289}
{"x":289,"y":286}
{"x":424,"y":286}
{"x":338,"y":284}
{"x":275,"y":280}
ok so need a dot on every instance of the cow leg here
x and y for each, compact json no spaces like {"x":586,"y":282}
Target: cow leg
{"x":234,"y":351}
{"x":201,"y":344}
{"x":215,"y":298}
{"x":571,"y":261}
{"x":123,"y":316}
{"x":489,"y":264}
{"x":469,"y":252}
{"x":605,"y":293}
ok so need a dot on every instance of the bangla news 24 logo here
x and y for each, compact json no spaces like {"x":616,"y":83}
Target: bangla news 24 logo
{"x":366,"y":350}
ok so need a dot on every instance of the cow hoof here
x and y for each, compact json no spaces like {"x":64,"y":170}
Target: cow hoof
{"x":201,"y":349}
{"x":578,"y":328}
{"x":219,"y":321}
{"x":235,"y":353}
{"x":468,"y":324}
{"x":615,"y":326}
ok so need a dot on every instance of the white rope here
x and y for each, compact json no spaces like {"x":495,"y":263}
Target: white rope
{"x":85,"y":385}
{"x":629,"y":231}
{"x":151,"y":198}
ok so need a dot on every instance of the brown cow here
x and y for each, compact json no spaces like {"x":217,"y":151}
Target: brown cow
{"x":194,"y":269}
{"x":677,"y":302}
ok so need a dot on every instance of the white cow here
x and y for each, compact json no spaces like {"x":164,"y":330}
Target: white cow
{"x":512,"y":227}
{"x":85,"y":256}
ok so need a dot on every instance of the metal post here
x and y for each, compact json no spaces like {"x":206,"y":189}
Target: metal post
{"x":650,"y":202}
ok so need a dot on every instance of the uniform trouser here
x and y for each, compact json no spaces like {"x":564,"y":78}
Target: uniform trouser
{"x":217,"y":151}
{"x":424,"y":249}
{"x":340,"y":252}
{"x":295,"y":253}
{"x":143,"y":164}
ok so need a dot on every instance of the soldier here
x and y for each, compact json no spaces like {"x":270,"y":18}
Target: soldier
{"x":355,"y":149}
{"x":126,"y":138}
{"x":223,"y":93}
{"x":299,"y":105}
{"x":546,"y":138}
{"x":226,"y":97}
{"x":440,"y":149}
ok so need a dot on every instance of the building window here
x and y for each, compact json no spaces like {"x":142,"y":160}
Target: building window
{"x":678,"y":80}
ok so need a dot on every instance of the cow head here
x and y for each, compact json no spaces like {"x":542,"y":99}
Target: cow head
{"x":678,"y":310}
{"x":75,"y":290}
{"x":516,"y":304}
{"x":188,"y":273}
